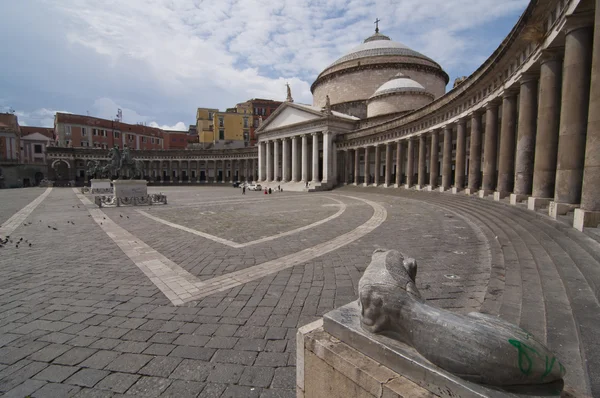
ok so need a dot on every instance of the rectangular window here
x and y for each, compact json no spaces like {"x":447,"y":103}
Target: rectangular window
{"x":221,"y":121}
{"x":144,"y":140}
{"x":245,"y":122}
{"x":221,"y":134}
{"x":210,"y":115}
{"x":116,"y":134}
{"x":37,"y":149}
{"x":152,"y":140}
{"x":130,"y":136}
{"x":103,"y":133}
{"x":94,"y":131}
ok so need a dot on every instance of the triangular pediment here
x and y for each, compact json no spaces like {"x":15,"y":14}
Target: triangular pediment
{"x":288,"y":114}
{"x":35,"y":137}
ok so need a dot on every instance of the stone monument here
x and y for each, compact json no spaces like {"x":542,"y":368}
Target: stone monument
{"x":433,"y":350}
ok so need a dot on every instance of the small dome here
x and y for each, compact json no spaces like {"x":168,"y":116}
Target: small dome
{"x":397,"y":84}
{"x":376,"y":45}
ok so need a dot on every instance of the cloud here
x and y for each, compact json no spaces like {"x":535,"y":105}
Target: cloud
{"x":181,"y":126}
{"x":42,"y":117}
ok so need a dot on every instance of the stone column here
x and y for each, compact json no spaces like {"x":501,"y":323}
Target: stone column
{"x":261,"y":161}
{"x":589,"y":213}
{"x":285,"y":160}
{"x":528,"y":97}
{"x":294,"y":159}
{"x":197,"y":171}
{"x":304,"y":158}
{"x":356,"y":165}
{"x":377,"y":165}
{"x":269,"y":161}
{"x":475,"y":155}
{"x":422,"y":165}
{"x":347,"y":166}
{"x":574,"y":112}
{"x":388,"y":165}
{"x":447,"y":159}
{"x":490,"y":150}
{"x":410,"y":162}
{"x":546,"y":141}
{"x":461,"y":156}
{"x":506,"y":164}
{"x":367,"y":167}
{"x":434,"y":159}
{"x":276,"y":160}
{"x":329,"y":158}
{"x":399,"y":151}
{"x":315,"y":158}
{"x":215,"y":178}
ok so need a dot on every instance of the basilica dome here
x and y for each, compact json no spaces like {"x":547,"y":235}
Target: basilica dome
{"x":355,"y":77}
{"x":400,"y":94}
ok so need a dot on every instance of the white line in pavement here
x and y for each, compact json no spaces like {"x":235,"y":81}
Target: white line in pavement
{"x":180,"y":286}
{"x":17,"y":219}
{"x":254,"y":242}
{"x":175,"y":282}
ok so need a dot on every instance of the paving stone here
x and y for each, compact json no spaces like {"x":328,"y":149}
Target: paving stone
{"x":164,"y":338}
{"x":87,"y":377}
{"x":19,"y":374}
{"x":276,"y":345}
{"x":82,"y":341}
{"x":48,"y":353}
{"x":213,"y":390}
{"x":149,"y":386}
{"x":277,"y":393}
{"x":160,"y":366}
{"x":225,"y":373}
{"x":134,"y":347}
{"x":56,"y":373}
{"x":74,"y":356}
{"x":130,"y":363}
{"x":53,"y":390}
{"x":138,"y":335}
{"x":226,"y":330}
{"x":285,"y":378}
{"x":105,"y":344}
{"x":241,"y":392}
{"x":10,"y":355}
{"x":257,"y":376}
{"x":117,"y":382}
{"x":235,"y":356}
{"x":159,"y":349}
{"x":221,"y":342}
{"x":93,"y":393}
{"x":251,"y":345}
{"x":190,"y":369}
{"x":27,"y":388}
{"x":207,"y":329}
{"x":183,"y":389}
{"x":276,"y":333}
{"x":271,"y":359}
{"x":192,"y":340}
{"x":100,"y":359}
{"x":201,"y":353}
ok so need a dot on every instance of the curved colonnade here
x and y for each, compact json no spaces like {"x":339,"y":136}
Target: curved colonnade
{"x":525,"y":125}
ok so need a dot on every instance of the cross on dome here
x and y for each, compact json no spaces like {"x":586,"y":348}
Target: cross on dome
{"x":377,"y":20}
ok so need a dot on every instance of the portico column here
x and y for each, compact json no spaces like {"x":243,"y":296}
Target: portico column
{"x":269,"y":162}
{"x":447,"y":159}
{"x":490,"y":149}
{"x":546,"y":141}
{"x":315,"y":158}
{"x":377,"y":164}
{"x":589,"y":213}
{"x":261,"y":161}
{"x":231,"y":170}
{"x":410,"y":161}
{"x":294,"y":159}
{"x":399,"y":149}
{"x":574,"y":111}
{"x":434,"y":159}
{"x":422,"y":159}
{"x":347,"y":166}
{"x":285,"y":166}
{"x":328,"y":158}
{"x":197,"y":171}
{"x":506,"y":164}
{"x":356,"y":165}
{"x":276,"y":160}
{"x":215,"y":171}
{"x":461,"y":156}
{"x":367,"y":167}
{"x":475,"y":154}
{"x":388,"y":164}
{"x":304,"y":158}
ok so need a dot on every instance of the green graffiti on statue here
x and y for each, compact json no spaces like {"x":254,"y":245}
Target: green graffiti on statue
{"x":525,"y":361}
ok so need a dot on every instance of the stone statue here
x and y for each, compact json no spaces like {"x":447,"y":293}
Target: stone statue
{"x":477,"y":347}
{"x":119,"y":163}
{"x":327,"y":108}
{"x":289,"y":93}
{"x":459,"y":80}
{"x":260,"y":121}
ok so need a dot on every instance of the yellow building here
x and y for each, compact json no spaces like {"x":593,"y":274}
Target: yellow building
{"x":223,"y":129}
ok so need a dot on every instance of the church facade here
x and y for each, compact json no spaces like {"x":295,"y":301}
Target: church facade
{"x":524,"y":127}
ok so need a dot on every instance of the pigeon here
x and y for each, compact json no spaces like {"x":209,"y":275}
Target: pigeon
{"x":127,"y":216}
{"x":49,"y":226}
{"x":20,"y":239}
{"x":56,"y":229}
{"x":30,"y":245}
{"x":121,"y":215}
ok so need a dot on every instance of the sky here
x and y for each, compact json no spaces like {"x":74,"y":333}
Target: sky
{"x":159,"y":60}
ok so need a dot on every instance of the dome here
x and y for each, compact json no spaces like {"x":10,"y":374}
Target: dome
{"x":398,"y":84}
{"x":377,"y":45}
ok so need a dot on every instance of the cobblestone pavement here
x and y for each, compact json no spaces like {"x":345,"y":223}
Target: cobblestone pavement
{"x":80,"y":317}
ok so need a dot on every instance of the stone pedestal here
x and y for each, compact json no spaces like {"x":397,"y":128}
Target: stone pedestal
{"x":534,"y":203}
{"x":455,"y":190}
{"x":500,"y":195}
{"x":130,"y":188}
{"x":442,"y":189}
{"x":470,"y":191}
{"x":485,"y":192}
{"x":429,"y":188}
{"x":516,"y":198}
{"x":587,"y":219}
{"x":556,"y":209}
{"x":100,"y":186}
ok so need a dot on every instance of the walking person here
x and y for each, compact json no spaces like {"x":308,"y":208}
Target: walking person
{"x":244,"y":189}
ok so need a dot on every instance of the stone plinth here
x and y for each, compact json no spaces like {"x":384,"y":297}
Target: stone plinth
{"x":499,"y":195}
{"x":485,"y":192}
{"x":343,"y":360}
{"x":556,"y":209}
{"x":537,"y":203}
{"x":586,"y":219}
{"x":516,"y":198}
{"x":130,"y":188}
{"x":100,"y":186}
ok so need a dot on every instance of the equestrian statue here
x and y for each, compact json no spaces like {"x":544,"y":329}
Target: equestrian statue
{"x":120,"y":164}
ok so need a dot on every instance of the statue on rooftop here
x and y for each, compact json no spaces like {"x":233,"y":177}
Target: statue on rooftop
{"x":476,"y":347}
{"x":289,"y":93}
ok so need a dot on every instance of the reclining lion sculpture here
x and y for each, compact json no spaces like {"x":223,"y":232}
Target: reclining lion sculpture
{"x":477,"y":347}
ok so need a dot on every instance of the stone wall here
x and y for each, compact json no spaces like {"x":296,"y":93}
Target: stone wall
{"x":353,"y":108}
{"x":21,"y":175}
{"x":397,"y":103}
{"x":362,"y":84}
